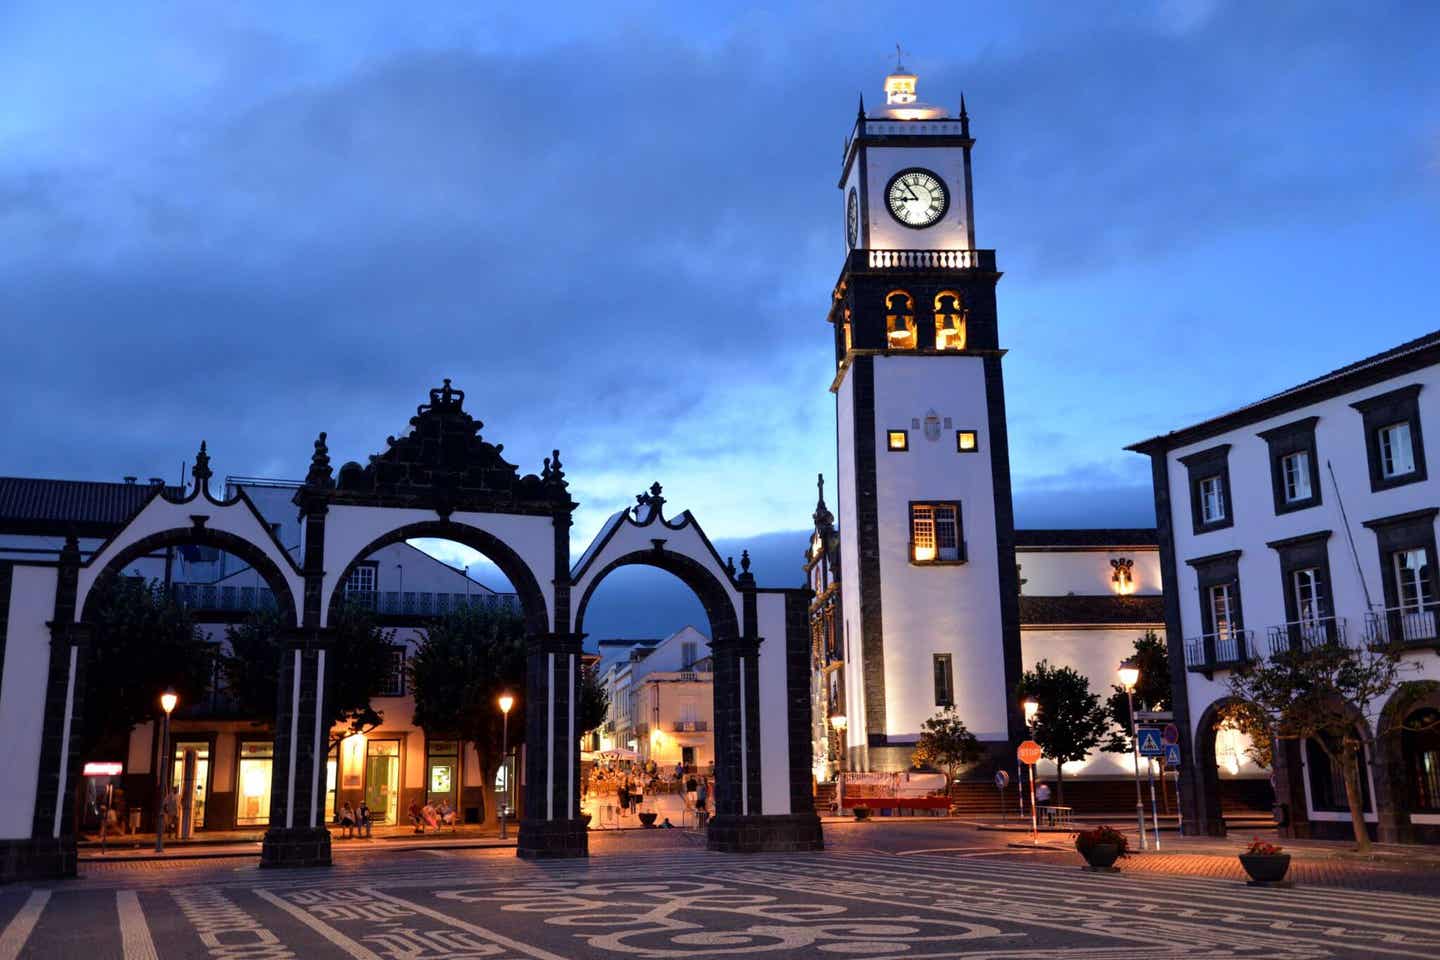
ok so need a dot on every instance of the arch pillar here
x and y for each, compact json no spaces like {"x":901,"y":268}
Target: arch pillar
{"x":550,"y":826}
{"x":297,"y":835}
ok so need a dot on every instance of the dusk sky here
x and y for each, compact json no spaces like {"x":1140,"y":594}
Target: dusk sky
{"x":616,"y":227}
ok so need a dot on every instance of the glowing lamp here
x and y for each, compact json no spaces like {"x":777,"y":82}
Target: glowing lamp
{"x":839,"y":722}
{"x":1129,"y":674}
{"x":1032,"y":707}
{"x":506,"y":702}
{"x":168,"y":699}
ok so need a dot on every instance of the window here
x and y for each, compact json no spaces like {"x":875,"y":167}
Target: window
{"x":935,"y":533}
{"x":689,"y":653}
{"x":967,"y":441}
{"x":1407,"y":572}
{"x":1394,"y":445}
{"x":1412,"y":580}
{"x":1397,"y":458}
{"x":1295,"y":475}
{"x":394,"y":685}
{"x":1222,"y":626}
{"x":944,"y":681}
{"x":899,"y":321}
{"x":1327,"y":780}
{"x":1420,"y":750}
{"x":897,"y":440}
{"x":361,"y":579}
{"x":1209,"y":473}
{"x":1222,"y":613}
{"x":1212,"y":499}
{"x":1309,"y":599}
{"x":949,"y":321}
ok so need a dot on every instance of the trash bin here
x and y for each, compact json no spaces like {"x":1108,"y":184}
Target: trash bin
{"x":1281,"y":813}
{"x":472,"y":814}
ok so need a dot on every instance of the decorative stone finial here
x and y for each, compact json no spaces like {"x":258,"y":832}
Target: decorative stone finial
{"x":320,"y":474}
{"x":823,"y":518}
{"x":201,"y":471}
{"x":744,"y":561}
{"x":730,"y":566}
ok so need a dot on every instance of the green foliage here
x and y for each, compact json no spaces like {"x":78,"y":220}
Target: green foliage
{"x":358,"y":661}
{"x":1070,"y":722}
{"x":1152,"y":691}
{"x":946,"y":744}
{"x":143,"y":642}
{"x":594,"y":701}
{"x":1320,"y":694}
{"x":457,"y":674}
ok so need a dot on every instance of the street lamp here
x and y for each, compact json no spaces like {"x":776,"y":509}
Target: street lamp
{"x":839,"y":722}
{"x":506,"y":702}
{"x":1031,"y":707}
{"x":168,"y":699}
{"x":1129,"y":676}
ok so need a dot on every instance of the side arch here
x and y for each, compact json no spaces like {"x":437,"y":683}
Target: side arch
{"x":1394,"y":792}
{"x":199,"y":536}
{"x":1207,"y":770}
{"x":527,"y":587}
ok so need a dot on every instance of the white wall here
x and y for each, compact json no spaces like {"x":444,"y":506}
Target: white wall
{"x":1057,"y":573}
{"x":22,"y":693}
{"x":886,"y":233}
{"x":774,"y":717}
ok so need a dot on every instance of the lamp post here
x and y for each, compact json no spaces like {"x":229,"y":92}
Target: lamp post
{"x":1129,"y":676}
{"x":506,"y":702}
{"x":1032,"y":707}
{"x":839,"y":722}
{"x":168,"y":699}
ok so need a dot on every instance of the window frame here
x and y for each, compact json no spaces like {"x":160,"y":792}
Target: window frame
{"x":1382,"y":412}
{"x":945,"y":697}
{"x":393,"y":684}
{"x":372,"y":567}
{"x":1285,"y":441}
{"x":1219,"y":570}
{"x":959,"y":448}
{"x":960,"y":551}
{"x":1402,"y":532}
{"x":1203,"y":465}
{"x":1310,"y":551}
{"x":890,"y":434}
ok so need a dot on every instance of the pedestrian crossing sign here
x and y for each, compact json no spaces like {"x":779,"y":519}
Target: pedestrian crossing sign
{"x":1172,"y":754}
{"x":1151,"y":742}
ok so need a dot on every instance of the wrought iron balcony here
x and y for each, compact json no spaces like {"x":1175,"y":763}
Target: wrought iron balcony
{"x":689,"y":726}
{"x":1413,"y":626}
{"x":209,"y":596}
{"x":1215,"y":651}
{"x":1306,"y":634}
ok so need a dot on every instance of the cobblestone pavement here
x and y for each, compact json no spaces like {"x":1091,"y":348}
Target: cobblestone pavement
{"x":924,"y":892}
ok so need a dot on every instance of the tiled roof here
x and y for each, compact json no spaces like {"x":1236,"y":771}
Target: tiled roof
{"x":1124,"y":611}
{"x":1413,"y":354}
{"x":53,"y":505}
{"x":1107,"y":537}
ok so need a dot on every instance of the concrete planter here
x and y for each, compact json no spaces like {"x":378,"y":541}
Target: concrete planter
{"x":1101,"y":857}
{"x":1266,"y":868}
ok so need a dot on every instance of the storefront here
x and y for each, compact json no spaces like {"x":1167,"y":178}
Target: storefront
{"x":382,"y":780}
{"x":442,"y":766}
{"x":190,"y":778}
{"x":252,"y":805}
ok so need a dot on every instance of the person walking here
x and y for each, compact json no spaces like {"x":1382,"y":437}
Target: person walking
{"x":167,"y":813}
{"x":702,"y":795}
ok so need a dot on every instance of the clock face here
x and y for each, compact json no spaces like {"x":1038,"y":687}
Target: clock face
{"x":917,"y":198}
{"x":852,"y":219}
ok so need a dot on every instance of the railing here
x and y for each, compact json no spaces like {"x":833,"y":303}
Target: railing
{"x":421,"y":604}
{"x":690,"y":726}
{"x":931,"y":259}
{"x":1223,"y":648}
{"x":209,"y":596}
{"x":1418,"y":626}
{"x":1306,"y":634}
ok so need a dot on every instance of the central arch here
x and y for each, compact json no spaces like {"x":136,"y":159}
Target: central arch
{"x":712,"y":594}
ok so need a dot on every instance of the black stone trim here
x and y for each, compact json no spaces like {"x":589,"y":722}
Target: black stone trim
{"x":553,"y":840}
{"x":1201,"y":466}
{"x":867,"y":543}
{"x":1404,"y":531}
{"x":7,"y":569}
{"x":1297,"y":437}
{"x":974,"y":435}
{"x":65,"y":635}
{"x":1300,"y":553}
{"x":864,"y":198}
{"x":296,"y":847}
{"x":1397,"y":406}
{"x":797,"y":700}
{"x":300,"y":845}
{"x":1009,"y":575}
{"x":1195,"y":821}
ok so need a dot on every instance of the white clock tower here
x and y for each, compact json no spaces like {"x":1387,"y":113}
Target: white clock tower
{"x":930,"y":598}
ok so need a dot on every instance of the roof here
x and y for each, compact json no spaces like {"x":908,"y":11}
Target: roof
{"x":1091,"y":611}
{"x":1409,"y":356}
{"x":55,"y":507}
{"x":1098,"y":537}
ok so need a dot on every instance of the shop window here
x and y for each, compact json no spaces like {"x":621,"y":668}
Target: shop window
{"x":900,"y":321}
{"x":190,"y":778}
{"x":252,"y":801}
{"x":949,"y":321}
{"x":442,"y":779}
{"x":382,"y":779}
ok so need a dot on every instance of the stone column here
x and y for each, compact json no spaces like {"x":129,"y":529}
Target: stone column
{"x":297,"y":836}
{"x":551,"y":824}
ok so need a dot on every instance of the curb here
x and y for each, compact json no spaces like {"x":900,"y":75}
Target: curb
{"x":233,"y":854}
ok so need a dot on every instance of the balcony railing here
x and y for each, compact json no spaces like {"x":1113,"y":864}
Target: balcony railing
{"x":1410,"y":627}
{"x":422,"y":604}
{"x":1306,"y":634}
{"x":1221,"y":649}
{"x":209,"y":596}
{"x":690,"y":726}
{"x":930,"y":259}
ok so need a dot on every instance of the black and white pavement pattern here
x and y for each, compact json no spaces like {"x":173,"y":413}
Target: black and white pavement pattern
{"x":684,"y":902}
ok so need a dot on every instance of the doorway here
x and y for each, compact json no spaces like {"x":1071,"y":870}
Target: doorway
{"x":190,"y":776}
{"x":382,"y":779}
{"x":442,"y":779}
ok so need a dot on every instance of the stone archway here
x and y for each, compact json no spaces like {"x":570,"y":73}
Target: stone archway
{"x":1394,"y":791}
{"x":1212,"y":791}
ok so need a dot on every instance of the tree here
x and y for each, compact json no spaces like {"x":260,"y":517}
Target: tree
{"x":594,"y":700}
{"x":1070,"y":721}
{"x":1325,"y":695}
{"x":457,"y":674}
{"x":1152,"y":691}
{"x":143,"y":642}
{"x":946,"y":744}
{"x":359,"y":659}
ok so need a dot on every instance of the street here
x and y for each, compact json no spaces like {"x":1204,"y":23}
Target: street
{"x":879,"y":891}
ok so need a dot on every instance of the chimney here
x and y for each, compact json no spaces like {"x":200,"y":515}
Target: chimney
{"x":129,"y":479}
{"x":157,"y":481}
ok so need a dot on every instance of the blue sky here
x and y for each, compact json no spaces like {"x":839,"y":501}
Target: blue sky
{"x":616,"y":227}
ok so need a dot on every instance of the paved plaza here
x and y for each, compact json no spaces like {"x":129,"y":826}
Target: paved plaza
{"x":923,"y":891}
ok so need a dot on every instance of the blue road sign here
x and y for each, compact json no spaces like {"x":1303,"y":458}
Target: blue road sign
{"x":1172,"y":754}
{"x":1151,"y":742}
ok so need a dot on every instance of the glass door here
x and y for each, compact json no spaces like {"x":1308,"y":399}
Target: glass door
{"x":252,"y":804}
{"x":191,"y":781}
{"x":382,"y":780}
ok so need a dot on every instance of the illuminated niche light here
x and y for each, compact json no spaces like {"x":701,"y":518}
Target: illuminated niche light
{"x":1122,"y":577}
{"x":949,"y":321}
{"x":900,"y":320}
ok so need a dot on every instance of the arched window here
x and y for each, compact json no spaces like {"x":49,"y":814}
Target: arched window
{"x":949,"y":321}
{"x":899,"y":320}
{"x":1420,"y":748}
{"x":1327,"y":778}
{"x":849,"y":336}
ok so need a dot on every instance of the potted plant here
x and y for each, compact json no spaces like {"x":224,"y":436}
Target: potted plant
{"x":647,"y":818}
{"x":861,"y":812}
{"x":1266,"y":863}
{"x":1101,"y":847}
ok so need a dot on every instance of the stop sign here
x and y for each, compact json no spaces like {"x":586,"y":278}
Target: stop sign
{"x":1029,"y":752}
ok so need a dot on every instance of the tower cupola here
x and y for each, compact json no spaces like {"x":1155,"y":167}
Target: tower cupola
{"x":901,"y":101}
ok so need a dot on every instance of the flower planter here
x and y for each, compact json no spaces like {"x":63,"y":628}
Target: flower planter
{"x":862,"y":813}
{"x":1101,"y":857}
{"x":1266,"y":869}
{"x":585,"y":819}
{"x":647,"y":818}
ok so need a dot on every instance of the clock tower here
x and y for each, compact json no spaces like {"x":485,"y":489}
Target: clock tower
{"x":927,"y":539}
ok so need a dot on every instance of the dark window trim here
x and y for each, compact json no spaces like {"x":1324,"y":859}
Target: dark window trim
{"x":974,"y":449}
{"x":947,"y":697}
{"x":1212,"y":571}
{"x":1202,"y":465}
{"x":959,"y":534}
{"x":1297,"y":437}
{"x":1404,"y":531}
{"x":904,"y":447}
{"x":1302,"y":553}
{"x":385,"y":687}
{"x":1396,"y":406}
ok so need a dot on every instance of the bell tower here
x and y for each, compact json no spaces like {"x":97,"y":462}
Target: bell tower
{"x":930,"y":603}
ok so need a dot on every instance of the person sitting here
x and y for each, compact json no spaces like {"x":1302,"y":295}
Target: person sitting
{"x":446,"y":814}
{"x":417,"y":817}
{"x":432,"y":819}
{"x":363,"y":819}
{"x":347,"y":820}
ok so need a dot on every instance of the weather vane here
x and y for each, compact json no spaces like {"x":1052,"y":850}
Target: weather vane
{"x":899,"y":59}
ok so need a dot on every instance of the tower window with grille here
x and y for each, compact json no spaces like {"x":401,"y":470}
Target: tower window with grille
{"x":935,"y":532}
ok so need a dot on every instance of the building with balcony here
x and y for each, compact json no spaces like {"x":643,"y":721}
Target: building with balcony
{"x":1308,"y":518}
{"x":661,"y":699}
